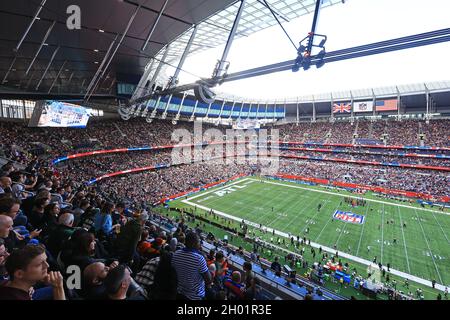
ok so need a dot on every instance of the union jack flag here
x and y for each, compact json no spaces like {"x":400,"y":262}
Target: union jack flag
{"x":342,"y":107}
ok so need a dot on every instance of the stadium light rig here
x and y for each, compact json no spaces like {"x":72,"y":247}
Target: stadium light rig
{"x":304,"y":60}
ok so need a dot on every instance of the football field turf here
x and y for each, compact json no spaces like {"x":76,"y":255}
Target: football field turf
{"x":421,"y":249}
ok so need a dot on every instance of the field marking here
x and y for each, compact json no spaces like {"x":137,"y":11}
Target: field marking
{"x":429,"y":248}
{"x":354,"y":197}
{"x":317,"y":238}
{"x":328,"y":249}
{"x":340,"y":234}
{"x":268,"y":212}
{"x":314,"y":217}
{"x":404,"y":241}
{"x":300,"y":214}
{"x":440,"y":226}
{"x":362,"y":231}
{"x":214,"y":189}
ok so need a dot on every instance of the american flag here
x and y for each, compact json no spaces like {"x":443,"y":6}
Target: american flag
{"x":386,"y":105}
{"x":342,"y":107}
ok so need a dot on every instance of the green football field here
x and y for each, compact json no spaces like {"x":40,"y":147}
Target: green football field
{"x":422,"y":247}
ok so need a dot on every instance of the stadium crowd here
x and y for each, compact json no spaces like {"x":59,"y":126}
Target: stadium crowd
{"x":406,"y":132}
{"x":49,"y":219}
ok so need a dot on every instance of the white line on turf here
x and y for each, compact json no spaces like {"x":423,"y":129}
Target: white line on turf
{"x":217,"y":189}
{"x":404,"y":241}
{"x":315,"y":215}
{"x":429,"y":248}
{"x":349,"y":196}
{"x":316,"y":245}
{"x":440,"y":226}
{"x":294,"y":204}
{"x":268,"y":212}
{"x":317,"y":238}
{"x":340,"y":234}
{"x":330,"y":250}
{"x":362,"y":231}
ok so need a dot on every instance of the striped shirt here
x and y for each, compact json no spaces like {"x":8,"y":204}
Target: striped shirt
{"x":190,"y":264}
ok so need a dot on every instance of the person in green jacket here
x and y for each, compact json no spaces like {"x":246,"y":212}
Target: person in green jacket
{"x":61,"y":233}
{"x":128,"y":239}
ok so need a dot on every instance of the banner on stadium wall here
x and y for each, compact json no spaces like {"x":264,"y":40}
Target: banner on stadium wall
{"x":342,"y":107}
{"x":409,"y":194}
{"x":363,"y":106}
{"x":386,"y":105}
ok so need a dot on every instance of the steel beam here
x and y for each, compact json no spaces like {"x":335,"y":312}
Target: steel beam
{"x":174,"y":79}
{"x":154,"y":25}
{"x":30,"y":25}
{"x":48,"y":66}
{"x":41,"y":45}
{"x":57,"y":76}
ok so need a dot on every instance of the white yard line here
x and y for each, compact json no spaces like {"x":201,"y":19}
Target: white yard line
{"x":313,"y":218}
{"x":268,"y":212}
{"x":330,"y":250}
{"x":428,"y":245}
{"x":300,"y":214}
{"x":340,"y":234}
{"x":354,"y":197}
{"x":404,"y":241}
{"x":317,"y":238}
{"x":440,"y":226}
{"x":362,"y":231}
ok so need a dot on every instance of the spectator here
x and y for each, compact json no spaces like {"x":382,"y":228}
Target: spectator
{"x":117,"y":282}
{"x":9,"y":207}
{"x":165,"y":283}
{"x":61,"y":234}
{"x":192,"y":271}
{"x":103,"y":221}
{"x":5,"y":185}
{"x":93,"y":287}
{"x":221,"y":265}
{"x":128,"y":239}
{"x":234,"y":286}
{"x":26,"y":267}
{"x":276,"y":266}
{"x":4,"y":254}
{"x":6,"y":226}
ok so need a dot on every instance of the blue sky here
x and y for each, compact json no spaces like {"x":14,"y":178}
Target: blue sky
{"x":354,"y":23}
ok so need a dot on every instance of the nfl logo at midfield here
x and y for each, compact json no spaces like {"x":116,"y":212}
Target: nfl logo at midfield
{"x":349,"y":217}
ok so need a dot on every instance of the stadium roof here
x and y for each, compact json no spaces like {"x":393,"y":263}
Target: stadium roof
{"x":356,"y":94}
{"x":81,"y":51}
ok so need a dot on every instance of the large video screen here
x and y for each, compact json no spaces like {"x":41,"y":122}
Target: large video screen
{"x":50,"y":113}
{"x":246,"y":124}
